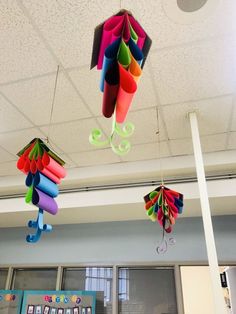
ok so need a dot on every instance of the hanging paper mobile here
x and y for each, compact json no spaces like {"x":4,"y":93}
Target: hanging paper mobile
{"x":44,"y":170}
{"x":120,"y":49}
{"x":163,"y":205}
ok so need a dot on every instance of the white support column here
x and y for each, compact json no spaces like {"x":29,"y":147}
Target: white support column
{"x":220,"y":307}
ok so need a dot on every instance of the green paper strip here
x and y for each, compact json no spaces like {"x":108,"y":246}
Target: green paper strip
{"x":29,"y":194}
{"x":126,"y":131}
{"x":122,"y":149}
{"x":124,"y":55}
{"x":95,"y":138}
{"x":153,"y":194}
{"x":160,"y":199}
{"x":133,"y":34}
{"x":32,"y":152}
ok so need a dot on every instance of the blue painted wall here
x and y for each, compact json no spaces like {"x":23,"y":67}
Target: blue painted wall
{"x":118,"y":242}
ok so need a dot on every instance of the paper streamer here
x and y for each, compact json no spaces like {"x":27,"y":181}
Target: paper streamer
{"x":125,"y":95}
{"x":44,"y":170}
{"x":120,"y":49}
{"x":44,"y":201}
{"x":163,"y":206}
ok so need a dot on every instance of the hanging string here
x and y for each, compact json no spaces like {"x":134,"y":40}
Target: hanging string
{"x":52,"y":107}
{"x":159,"y":145}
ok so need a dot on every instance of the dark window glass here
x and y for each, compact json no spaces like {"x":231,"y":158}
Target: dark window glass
{"x":147,"y":291}
{"x":34,"y":279}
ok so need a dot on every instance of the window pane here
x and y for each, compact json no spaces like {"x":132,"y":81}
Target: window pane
{"x":91,"y":278}
{"x":147,"y":291}
{"x":3,"y":278}
{"x":34,"y":279}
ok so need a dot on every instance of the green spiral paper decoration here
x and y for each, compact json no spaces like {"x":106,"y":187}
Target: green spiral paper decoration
{"x":123,"y":132}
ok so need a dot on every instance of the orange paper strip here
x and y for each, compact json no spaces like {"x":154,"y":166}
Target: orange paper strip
{"x":135,"y":69}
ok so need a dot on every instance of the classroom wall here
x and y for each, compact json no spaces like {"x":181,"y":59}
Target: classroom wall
{"x":118,"y":242}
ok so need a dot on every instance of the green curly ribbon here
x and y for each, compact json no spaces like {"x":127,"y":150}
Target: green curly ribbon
{"x":124,"y":132}
{"x":95,"y":136}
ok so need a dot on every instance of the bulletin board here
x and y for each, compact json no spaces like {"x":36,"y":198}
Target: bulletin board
{"x":59,"y":302}
{"x":10,"y":301}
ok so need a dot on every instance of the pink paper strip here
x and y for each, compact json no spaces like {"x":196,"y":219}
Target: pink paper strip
{"x":53,"y":166}
{"x":112,"y":25}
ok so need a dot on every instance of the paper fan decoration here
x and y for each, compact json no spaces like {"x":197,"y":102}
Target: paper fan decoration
{"x":44,"y":170}
{"x":120,"y":49}
{"x":163,"y":206}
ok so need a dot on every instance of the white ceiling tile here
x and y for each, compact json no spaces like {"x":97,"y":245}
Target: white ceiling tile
{"x":69,"y":25}
{"x":213,"y":117}
{"x":181,"y":147}
{"x":37,"y":103}
{"x":166,"y":32}
{"x":73,"y":136}
{"x":9,"y":169}
{"x":210,"y":143}
{"x":93,"y":158}
{"x":5,"y":156}
{"x":147,"y":152}
{"x":10,"y":118}
{"x":87,"y":82}
{"x":22,"y":54}
{"x":194,"y":72}
{"x":13,"y":142}
{"x":213,"y":143}
{"x":232,"y":140}
{"x":233,"y":122}
{"x":145,"y":96}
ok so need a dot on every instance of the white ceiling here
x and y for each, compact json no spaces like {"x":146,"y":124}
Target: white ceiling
{"x":191,"y":66}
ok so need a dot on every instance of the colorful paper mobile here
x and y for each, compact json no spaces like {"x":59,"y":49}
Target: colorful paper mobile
{"x":163,"y":205}
{"x":44,"y":170}
{"x":120,"y":49}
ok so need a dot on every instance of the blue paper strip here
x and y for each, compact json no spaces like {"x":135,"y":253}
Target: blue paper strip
{"x":135,"y":51}
{"x":45,"y":185}
{"x":109,"y":57}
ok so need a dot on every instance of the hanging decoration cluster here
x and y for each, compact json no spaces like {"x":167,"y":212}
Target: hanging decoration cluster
{"x":44,"y":170}
{"x":163,"y":206}
{"x":120,"y":49}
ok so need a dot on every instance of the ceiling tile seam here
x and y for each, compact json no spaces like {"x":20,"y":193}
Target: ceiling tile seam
{"x":197,"y":100}
{"x":108,"y":147}
{"x":201,"y":136}
{"x":25,"y":116}
{"x":5,"y":150}
{"x":158,"y":102}
{"x":56,"y":59}
{"x":191,"y":43}
{"x":26,"y":79}
{"x":46,"y":74}
{"x":230,"y":123}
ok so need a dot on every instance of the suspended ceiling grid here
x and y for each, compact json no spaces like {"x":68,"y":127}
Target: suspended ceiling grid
{"x":191,"y":66}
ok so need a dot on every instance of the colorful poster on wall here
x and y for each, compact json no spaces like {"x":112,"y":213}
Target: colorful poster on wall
{"x":10,"y":301}
{"x":59,"y":302}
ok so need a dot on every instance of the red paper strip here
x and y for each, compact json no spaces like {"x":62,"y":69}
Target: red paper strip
{"x":125,"y":95}
{"x":111,"y":88}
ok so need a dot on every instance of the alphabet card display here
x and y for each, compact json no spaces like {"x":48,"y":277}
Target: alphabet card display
{"x":10,"y":301}
{"x":59,"y":302}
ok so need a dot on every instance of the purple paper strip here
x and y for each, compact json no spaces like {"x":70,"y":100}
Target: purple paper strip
{"x":44,"y":202}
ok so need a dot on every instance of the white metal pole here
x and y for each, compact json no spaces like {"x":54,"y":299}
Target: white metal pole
{"x":220,"y":307}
